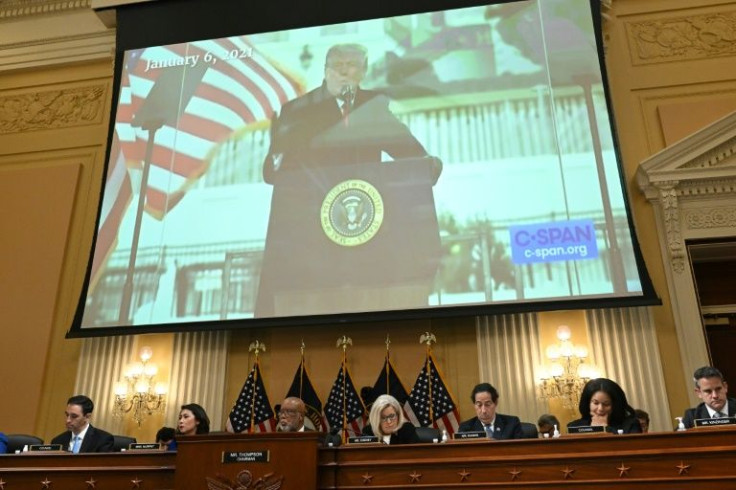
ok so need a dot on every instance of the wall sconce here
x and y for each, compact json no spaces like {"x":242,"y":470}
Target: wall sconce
{"x":138,"y":393}
{"x":565,"y":376}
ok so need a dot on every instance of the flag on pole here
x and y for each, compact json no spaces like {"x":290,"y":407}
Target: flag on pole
{"x":345,"y":409}
{"x":432,"y":403}
{"x":252,"y":411}
{"x":234,"y":85}
{"x":302,"y":388}
{"x":242,"y":87}
{"x":388,"y":383}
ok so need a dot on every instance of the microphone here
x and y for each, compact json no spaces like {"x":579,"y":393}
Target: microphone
{"x":347,"y":94}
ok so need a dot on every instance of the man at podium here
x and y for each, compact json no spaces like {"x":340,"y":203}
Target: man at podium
{"x":337,"y":211}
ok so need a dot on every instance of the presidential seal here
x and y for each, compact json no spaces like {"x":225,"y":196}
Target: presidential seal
{"x":352,"y":213}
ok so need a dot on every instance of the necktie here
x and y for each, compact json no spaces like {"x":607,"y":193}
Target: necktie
{"x":345,"y":109}
{"x":76,"y":444}
{"x":489,"y":431}
{"x":718,"y":415}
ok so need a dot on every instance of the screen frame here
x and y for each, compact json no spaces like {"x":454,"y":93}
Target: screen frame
{"x":200,"y":19}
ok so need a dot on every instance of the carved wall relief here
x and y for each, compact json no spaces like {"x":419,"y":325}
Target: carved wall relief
{"x":51,"y":109}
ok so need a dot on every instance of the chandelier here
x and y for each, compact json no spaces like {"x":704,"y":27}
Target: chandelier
{"x":139,"y":394}
{"x":566,"y":375}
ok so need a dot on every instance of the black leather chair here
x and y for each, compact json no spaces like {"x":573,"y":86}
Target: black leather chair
{"x":428,"y":434}
{"x":122,"y":442}
{"x":17,"y":441}
{"x":529,"y":431}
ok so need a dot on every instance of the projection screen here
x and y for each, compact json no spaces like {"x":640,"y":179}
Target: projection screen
{"x":443,"y":163}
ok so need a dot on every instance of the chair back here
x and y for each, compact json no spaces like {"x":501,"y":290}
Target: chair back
{"x":17,"y":441}
{"x":428,"y":434}
{"x":122,"y":442}
{"x":529,"y":431}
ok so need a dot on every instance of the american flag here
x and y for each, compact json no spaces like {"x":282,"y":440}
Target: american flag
{"x":252,"y":411}
{"x":431,"y":402}
{"x":344,"y":407}
{"x":302,"y":388}
{"x":388,"y":382}
{"x":239,"y":87}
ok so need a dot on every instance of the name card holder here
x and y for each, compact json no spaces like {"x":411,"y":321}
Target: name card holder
{"x":715,"y":422}
{"x":45,"y":447}
{"x":461,"y":436}
{"x":145,"y":446}
{"x":587,"y":429}
{"x":363,"y":440}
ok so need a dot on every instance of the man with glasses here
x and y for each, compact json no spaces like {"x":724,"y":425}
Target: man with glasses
{"x":291,"y":415}
{"x":495,"y":425}
{"x":712,"y":389}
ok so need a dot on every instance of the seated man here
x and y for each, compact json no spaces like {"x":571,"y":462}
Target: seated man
{"x":643,"y":418}
{"x":291,"y":415}
{"x":80,"y":436}
{"x":495,"y":425}
{"x":547,"y":424}
{"x":713,"y":390}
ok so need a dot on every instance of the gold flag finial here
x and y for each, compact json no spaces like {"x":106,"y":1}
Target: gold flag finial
{"x":257,"y":346}
{"x":387,"y":342}
{"x":301,"y":348}
{"x":344,"y":341}
{"x":427,"y":338}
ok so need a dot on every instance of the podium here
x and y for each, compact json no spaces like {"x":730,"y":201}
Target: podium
{"x":262,"y":460}
{"x":351,"y":238}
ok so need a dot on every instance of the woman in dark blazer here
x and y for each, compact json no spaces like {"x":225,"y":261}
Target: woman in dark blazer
{"x":603,"y":403}
{"x":388,"y":423}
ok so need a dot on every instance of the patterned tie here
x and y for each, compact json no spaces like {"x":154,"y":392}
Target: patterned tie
{"x":75,"y":444}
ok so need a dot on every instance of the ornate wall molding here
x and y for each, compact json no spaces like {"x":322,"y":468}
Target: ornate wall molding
{"x":13,"y":9}
{"x":683,"y":38}
{"x":709,"y":218}
{"x":692,"y":186}
{"x":52,"y":109}
{"x":671,"y":216}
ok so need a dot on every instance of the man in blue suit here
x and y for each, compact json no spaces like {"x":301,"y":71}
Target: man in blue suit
{"x":495,"y":425}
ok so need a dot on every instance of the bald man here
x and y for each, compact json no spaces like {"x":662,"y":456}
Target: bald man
{"x":291,"y":415}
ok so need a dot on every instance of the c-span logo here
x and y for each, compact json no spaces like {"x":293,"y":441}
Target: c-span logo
{"x":352,"y":213}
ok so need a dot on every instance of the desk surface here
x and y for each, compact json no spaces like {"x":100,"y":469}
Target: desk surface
{"x":657,"y":460}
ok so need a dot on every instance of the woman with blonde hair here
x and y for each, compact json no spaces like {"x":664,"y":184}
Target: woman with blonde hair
{"x":387,"y":421}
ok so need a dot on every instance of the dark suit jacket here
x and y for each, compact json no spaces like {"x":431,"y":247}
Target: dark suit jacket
{"x":406,"y":434}
{"x":505,"y":427}
{"x":95,"y":441}
{"x":630,"y":425}
{"x":311,"y":133}
{"x":700,"y":412}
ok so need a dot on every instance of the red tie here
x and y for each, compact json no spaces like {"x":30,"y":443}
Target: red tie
{"x":345,"y":109}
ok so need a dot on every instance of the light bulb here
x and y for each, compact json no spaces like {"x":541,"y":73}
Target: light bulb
{"x":563,"y":332}
{"x":146,"y":353}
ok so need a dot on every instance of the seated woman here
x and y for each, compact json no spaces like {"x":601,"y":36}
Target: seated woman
{"x":603,"y":402}
{"x":387,"y":422}
{"x":192,"y":420}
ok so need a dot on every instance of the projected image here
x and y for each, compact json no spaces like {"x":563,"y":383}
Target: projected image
{"x":448,"y":159}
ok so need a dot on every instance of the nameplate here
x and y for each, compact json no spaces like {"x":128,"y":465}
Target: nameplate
{"x":714,"y":422}
{"x":144,"y":446}
{"x":246,"y":456}
{"x":45,"y":447}
{"x":363,"y":440}
{"x":586,"y":429}
{"x":470,"y":435}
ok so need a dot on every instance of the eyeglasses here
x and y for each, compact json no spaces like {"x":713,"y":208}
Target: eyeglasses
{"x":389,"y":418}
{"x":287,"y":412}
